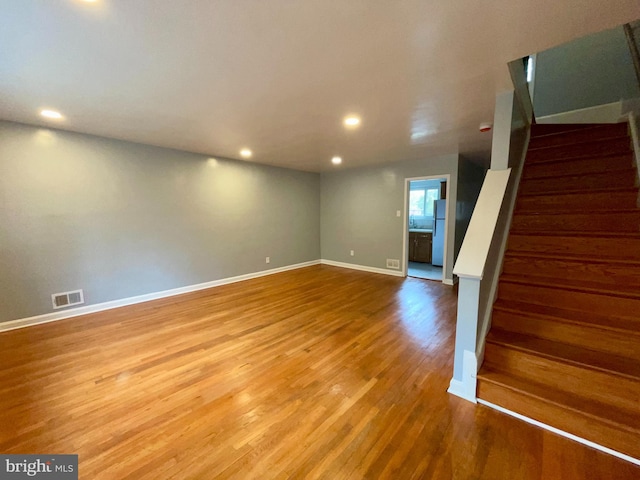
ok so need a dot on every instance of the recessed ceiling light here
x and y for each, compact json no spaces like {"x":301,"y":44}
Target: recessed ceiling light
{"x":246,"y":153}
{"x":351,"y":121}
{"x":336,"y":160}
{"x":51,"y":114}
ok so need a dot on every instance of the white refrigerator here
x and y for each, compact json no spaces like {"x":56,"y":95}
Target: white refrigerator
{"x":437,"y":251}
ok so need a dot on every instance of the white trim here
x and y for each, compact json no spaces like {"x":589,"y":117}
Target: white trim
{"x":99,"y":307}
{"x":466,"y":388}
{"x":405,"y":225}
{"x":362,"y":268}
{"x":562,"y":433}
{"x":472,"y":258}
{"x":607,"y":113}
{"x":456,"y":387}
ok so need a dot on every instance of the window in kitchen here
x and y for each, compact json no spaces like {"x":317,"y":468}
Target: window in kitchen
{"x":421,"y":202}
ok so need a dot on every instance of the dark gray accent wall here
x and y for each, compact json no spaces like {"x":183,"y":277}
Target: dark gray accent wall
{"x":119,"y":219}
{"x":470,"y":178}
{"x":590,"y":71}
{"x":358,"y":210}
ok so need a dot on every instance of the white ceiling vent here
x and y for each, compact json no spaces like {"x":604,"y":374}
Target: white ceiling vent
{"x":67,"y":299}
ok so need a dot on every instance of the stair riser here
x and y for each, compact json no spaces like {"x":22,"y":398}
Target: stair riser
{"x":577,"y":167}
{"x":620,"y":180}
{"x":580,"y":301}
{"x":564,"y":419}
{"x":601,"y":222}
{"x":579,"y":136}
{"x":609,"y":275}
{"x":621,"y":145}
{"x":600,"y":386}
{"x":580,"y":335}
{"x":589,"y":247}
{"x":578,"y":202}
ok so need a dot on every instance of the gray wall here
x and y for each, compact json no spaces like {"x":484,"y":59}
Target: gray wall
{"x":358,"y":210}
{"x":590,"y":71}
{"x":119,"y":219}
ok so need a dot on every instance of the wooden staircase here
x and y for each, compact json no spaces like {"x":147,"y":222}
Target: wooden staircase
{"x":564,"y":346}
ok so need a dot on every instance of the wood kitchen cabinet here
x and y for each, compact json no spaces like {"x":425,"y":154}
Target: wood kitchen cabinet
{"x":420,"y":247}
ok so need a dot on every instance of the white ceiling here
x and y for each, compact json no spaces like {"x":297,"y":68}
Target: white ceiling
{"x":277,"y":76}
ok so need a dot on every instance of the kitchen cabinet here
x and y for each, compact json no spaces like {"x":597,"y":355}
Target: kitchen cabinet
{"x":420,"y":247}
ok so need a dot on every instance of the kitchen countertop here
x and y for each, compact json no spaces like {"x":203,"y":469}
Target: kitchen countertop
{"x":421,"y":230}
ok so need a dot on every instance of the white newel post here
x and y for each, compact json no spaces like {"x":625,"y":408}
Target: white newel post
{"x":463,"y":383}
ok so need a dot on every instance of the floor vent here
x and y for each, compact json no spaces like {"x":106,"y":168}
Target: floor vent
{"x":67,"y":299}
{"x":392,"y":263}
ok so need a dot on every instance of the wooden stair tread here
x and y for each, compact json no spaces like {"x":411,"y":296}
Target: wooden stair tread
{"x":573,"y":143}
{"x":584,"y":166}
{"x":577,"y":190}
{"x":606,"y":334}
{"x":631,"y":170}
{"x":589,"y":149}
{"x":630,"y":326}
{"x":566,"y":223}
{"x":606,"y":235}
{"x":572,"y":258}
{"x":616,"y":416}
{"x":577,"y":244}
{"x":600,"y":271}
{"x":578,"y":285}
{"x":611,"y":210}
{"x":569,"y":354}
{"x":605,"y":181}
{"x":540,"y":130}
{"x":590,"y":201}
{"x":607,"y":190}
{"x":575,"y":156}
{"x":608,"y":433}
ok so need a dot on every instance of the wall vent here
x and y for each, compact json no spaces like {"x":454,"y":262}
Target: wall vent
{"x":67,"y":299}
{"x":393,"y":263}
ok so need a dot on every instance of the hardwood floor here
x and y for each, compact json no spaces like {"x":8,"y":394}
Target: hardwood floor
{"x":320,"y":372}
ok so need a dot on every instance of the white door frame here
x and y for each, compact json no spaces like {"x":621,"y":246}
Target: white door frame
{"x":405,"y":222}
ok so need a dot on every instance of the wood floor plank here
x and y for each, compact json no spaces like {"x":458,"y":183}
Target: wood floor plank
{"x":317,"y":373}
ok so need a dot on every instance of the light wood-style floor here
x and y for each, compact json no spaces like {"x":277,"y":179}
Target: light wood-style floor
{"x":315,"y":373}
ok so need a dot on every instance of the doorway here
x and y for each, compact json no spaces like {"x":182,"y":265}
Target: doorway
{"x":426,"y":227}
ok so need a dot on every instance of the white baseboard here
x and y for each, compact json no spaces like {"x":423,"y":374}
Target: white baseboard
{"x":459,"y":389}
{"x":99,"y":307}
{"x":607,"y":113}
{"x":364,"y":268}
{"x":562,"y":433}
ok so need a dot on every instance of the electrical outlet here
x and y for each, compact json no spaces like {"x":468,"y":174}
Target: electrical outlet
{"x":398,"y":214}
{"x":268,"y":260}
{"x":352,"y":253}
